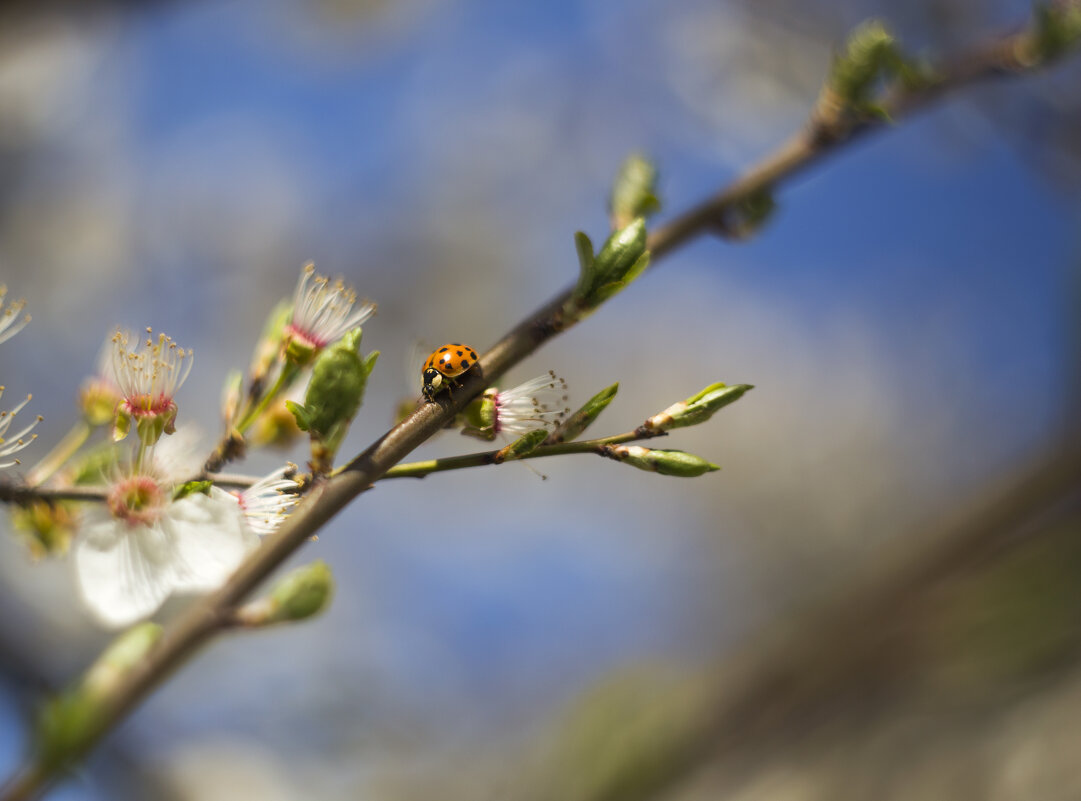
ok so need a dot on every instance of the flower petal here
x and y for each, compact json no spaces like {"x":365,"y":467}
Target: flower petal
{"x":210,"y":537}
{"x":123,"y":572}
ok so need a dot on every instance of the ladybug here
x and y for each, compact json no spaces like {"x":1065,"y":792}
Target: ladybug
{"x":444,"y":365}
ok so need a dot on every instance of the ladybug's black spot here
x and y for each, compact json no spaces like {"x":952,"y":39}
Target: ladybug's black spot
{"x":456,"y":344}
{"x":442,"y":349}
{"x":465,"y":363}
{"x":459,"y":353}
{"x":473,"y":355}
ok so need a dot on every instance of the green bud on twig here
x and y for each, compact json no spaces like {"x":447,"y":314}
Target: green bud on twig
{"x":750,"y":213}
{"x":334,"y":396}
{"x":634,"y":192}
{"x":69,"y":723}
{"x":667,"y":463}
{"x":575,"y":425}
{"x":622,"y":259}
{"x":1056,"y":30}
{"x":869,"y":55}
{"x":298,"y":595}
{"x":696,"y":409}
{"x":478,"y":418}
{"x":527,"y":443}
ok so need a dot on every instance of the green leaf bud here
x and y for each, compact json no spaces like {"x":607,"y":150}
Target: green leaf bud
{"x":525,"y":444}
{"x":869,"y":55}
{"x":1056,"y":30}
{"x":634,"y":192}
{"x":575,"y":425}
{"x":667,"y":463}
{"x":622,"y":259}
{"x":299,"y":594}
{"x":303,"y":592}
{"x":696,"y":409}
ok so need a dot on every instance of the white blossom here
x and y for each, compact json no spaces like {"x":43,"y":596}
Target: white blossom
{"x":539,"y":403}
{"x":12,"y":320}
{"x":141,"y":547}
{"x":11,"y":444}
{"x":323,"y":311}
{"x":268,"y":502}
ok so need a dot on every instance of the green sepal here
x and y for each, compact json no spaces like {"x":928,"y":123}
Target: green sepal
{"x":69,"y":723}
{"x":192,"y":487}
{"x":122,"y":424}
{"x":698,"y":408}
{"x":477,"y":419}
{"x":524,"y":445}
{"x":634,"y":191}
{"x":575,"y":425}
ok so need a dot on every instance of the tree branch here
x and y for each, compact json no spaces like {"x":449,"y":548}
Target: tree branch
{"x":823,"y":135}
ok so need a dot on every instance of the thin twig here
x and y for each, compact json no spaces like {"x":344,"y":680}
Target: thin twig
{"x":203,"y":618}
{"x":484,"y":458}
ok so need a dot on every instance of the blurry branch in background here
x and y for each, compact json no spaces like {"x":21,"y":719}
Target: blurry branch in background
{"x":866,"y":647}
{"x":871,"y":82}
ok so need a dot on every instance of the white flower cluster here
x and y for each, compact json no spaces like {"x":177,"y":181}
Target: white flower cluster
{"x":161,"y":525}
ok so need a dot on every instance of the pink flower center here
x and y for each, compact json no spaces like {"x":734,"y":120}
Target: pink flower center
{"x":138,"y":500}
{"x":148,"y":405}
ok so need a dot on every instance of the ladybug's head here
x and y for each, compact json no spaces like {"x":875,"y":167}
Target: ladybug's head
{"x":433,"y":382}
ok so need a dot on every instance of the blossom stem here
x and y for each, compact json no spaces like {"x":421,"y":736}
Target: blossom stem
{"x":595,"y":446}
{"x":286,"y":377}
{"x":61,"y":453}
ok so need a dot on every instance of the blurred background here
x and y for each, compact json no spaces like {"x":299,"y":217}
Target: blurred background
{"x":877,"y":597}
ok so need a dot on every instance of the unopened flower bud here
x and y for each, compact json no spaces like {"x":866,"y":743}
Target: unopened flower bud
{"x":98,"y":400}
{"x":334,"y":396}
{"x":667,"y":463}
{"x":47,"y":528}
{"x":300,"y":594}
{"x":696,"y":409}
{"x":274,"y":428}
